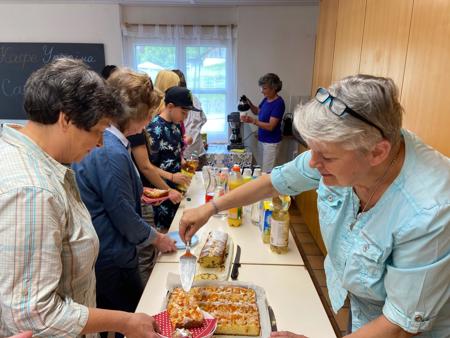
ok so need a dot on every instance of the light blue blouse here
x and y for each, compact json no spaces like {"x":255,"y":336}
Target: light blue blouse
{"x":396,"y":260}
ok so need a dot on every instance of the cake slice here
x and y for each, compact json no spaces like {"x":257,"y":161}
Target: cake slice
{"x":183,"y":310}
{"x":213,"y":252}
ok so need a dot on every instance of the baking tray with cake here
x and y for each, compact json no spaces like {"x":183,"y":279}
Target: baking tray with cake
{"x":214,"y":256}
{"x":240,"y":308}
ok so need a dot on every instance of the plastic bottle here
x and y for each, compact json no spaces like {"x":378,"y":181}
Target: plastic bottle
{"x":188,"y":168}
{"x":247,"y":177}
{"x":267,"y":209}
{"x":256,"y":208}
{"x":234,"y":181}
{"x":279,"y":224}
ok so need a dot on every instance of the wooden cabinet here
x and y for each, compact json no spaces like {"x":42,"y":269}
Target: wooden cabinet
{"x":406,"y":40}
{"x":425,"y":94}
{"x":385,"y":41}
{"x":349,"y":35}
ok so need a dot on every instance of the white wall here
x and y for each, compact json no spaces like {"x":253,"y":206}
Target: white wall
{"x":180,"y":15}
{"x":77,"y":23}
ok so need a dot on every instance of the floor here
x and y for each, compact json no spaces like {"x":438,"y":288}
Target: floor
{"x":313,"y":258}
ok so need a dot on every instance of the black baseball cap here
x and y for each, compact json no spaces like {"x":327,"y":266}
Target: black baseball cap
{"x":180,"y":97}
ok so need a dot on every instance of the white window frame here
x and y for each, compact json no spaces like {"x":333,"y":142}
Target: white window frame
{"x":230,"y":90}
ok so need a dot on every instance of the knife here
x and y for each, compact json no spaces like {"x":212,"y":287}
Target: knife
{"x":236,"y":264}
{"x":273,"y":321}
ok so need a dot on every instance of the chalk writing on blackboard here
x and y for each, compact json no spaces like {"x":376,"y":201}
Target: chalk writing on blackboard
{"x":19,"y":60}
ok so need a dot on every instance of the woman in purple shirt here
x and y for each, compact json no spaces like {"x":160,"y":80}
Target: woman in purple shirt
{"x":270,"y":113}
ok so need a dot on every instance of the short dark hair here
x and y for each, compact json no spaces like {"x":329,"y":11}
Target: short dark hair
{"x":272,"y":80}
{"x":181,"y":76}
{"x":69,"y":86}
{"x":108,"y":70}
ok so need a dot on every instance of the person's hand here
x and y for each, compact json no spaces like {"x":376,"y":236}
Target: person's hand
{"x":187,"y":139}
{"x":26,"y":334}
{"x":180,"y":178}
{"x":286,"y":334}
{"x":141,"y":325}
{"x":175,"y":196}
{"x":247,"y":119}
{"x":164,"y":243}
{"x":194,"y":219}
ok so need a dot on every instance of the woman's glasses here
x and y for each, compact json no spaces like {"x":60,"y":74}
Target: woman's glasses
{"x":339,"y":108}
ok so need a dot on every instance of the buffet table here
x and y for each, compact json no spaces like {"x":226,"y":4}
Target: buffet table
{"x":289,"y":288}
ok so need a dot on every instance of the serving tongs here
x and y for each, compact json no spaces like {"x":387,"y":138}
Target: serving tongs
{"x":188,"y":267}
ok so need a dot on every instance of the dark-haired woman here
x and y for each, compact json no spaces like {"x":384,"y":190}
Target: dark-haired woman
{"x":270,"y":113}
{"x":48,"y":243}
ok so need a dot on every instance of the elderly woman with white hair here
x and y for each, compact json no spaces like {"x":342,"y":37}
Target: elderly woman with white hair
{"x":384,"y":209}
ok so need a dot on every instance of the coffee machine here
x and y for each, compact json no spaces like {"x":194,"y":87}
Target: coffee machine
{"x":234,"y":123}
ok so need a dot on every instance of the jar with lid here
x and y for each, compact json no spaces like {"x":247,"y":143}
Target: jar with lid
{"x":279,"y":224}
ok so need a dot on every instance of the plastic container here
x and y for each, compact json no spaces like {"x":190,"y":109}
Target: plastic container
{"x":279,"y":224}
{"x":234,"y":181}
{"x":265,"y":220}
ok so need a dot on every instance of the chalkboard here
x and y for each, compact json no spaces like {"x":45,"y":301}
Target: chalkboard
{"x":19,"y":60}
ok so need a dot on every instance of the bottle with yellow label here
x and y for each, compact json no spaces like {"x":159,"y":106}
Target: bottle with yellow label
{"x":279,"y":224}
{"x":234,"y":181}
{"x":267,"y":209}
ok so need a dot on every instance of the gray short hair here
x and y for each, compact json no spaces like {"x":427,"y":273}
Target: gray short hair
{"x":375,"y":98}
{"x":272,"y":80}
{"x":68,"y":85}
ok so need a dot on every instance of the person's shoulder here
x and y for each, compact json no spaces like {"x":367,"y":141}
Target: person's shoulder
{"x":420,"y":192}
{"x":21,"y":171}
{"x":279,"y":101}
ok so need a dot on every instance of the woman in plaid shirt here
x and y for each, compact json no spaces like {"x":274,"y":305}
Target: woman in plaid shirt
{"x":48,"y":244}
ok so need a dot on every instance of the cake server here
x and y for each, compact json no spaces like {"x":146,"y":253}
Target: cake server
{"x":188,"y":267}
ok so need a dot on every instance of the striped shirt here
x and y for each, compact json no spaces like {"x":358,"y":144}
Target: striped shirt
{"x":47,"y":242}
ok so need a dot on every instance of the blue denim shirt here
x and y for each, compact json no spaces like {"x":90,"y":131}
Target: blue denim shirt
{"x":111,"y":189}
{"x":396,"y":260}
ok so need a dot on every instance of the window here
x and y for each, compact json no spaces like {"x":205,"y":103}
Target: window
{"x":205,"y":56}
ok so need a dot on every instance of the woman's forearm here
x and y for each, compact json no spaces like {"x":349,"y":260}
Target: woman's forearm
{"x":152,"y":174}
{"x":254,"y":109}
{"x":165,"y":174}
{"x":249,"y":193}
{"x":380,"y":327}
{"x":101,"y":320}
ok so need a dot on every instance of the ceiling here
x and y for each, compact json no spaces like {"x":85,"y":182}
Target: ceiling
{"x":188,"y":3}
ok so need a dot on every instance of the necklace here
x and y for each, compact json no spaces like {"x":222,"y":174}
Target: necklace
{"x":357,"y":215}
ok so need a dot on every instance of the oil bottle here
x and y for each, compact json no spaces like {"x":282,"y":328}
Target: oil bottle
{"x":234,"y":181}
{"x":279,"y":224}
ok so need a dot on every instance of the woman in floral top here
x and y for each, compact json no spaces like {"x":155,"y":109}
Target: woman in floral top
{"x":167,"y":144}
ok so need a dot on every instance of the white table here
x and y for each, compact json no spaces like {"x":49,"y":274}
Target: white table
{"x":289,"y":290}
{"x":247,"y":236}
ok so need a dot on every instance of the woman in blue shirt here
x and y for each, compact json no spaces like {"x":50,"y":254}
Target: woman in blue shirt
{"x":270,"y":113}
{"x":110,"y":187}
{"x":384,"y":209}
